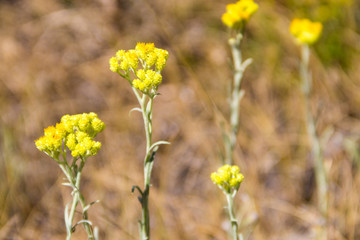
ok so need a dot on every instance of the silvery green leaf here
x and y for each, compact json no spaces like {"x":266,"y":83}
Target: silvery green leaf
{"x":157,"y":144}
{"x":134,"y":109}
{"x":246,"y":63}
{"x":67,"y":184}
{"x":96,"y":233}
{"x":89,"y":205}
{"x":66,"y":218}
{"x":83,"y":221}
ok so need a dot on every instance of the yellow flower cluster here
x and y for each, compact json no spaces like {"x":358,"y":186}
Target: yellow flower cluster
{"x":305,"y":31}
{"x":237,"y":13}
{"x":76,"y":132}
{"x":149,"y":57}
{"x":228,"y":178}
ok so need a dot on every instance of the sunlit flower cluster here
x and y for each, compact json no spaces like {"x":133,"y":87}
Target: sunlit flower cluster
{"x":74,"y":131}
{"x":305,"y":31}
{"x":238,"y":13}
{"x":228,"y":178}
{"x":145,"y":61}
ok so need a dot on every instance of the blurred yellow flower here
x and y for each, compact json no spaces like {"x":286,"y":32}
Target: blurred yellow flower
{"x":305,"y":31}
{"x":237,"y":13}
{"x":228,"y":178}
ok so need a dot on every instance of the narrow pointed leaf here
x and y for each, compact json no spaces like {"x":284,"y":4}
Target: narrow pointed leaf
{"x":134,"y":109}
{"x":89,"y":205}
{"x":158,"y":143}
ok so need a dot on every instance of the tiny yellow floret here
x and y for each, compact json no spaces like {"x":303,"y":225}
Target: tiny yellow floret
{"x":228,"y":178}
{"x":305,"y":31}
{"x":114,"y":64}
{"x":238,"y":13}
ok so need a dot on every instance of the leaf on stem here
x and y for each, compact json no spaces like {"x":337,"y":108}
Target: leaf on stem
{"x":134,"y":109}
{"x":241,"y":94}
{"x":66,"y":216}
{"x":138,"y":188}
{"x":140,"y":198}
{"x":157,"y":144}
{"x":89,"y":205}
{"x":82,"y":221}
{"x":246,"y":63}
{"x":67,"y":184}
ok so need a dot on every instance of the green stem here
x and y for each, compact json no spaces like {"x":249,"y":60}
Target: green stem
{"x":234,"y":223}
{"x":320,"y":173}
{"x":146,"y":104}
{"x":86,"y":225}
{"x":75,"y":202}
{"x":76,"y":198}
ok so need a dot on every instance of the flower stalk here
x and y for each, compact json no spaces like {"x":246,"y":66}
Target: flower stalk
{"x":237,"y":94}
{"x":320,"y":173}
{"x":307,"y":33}
{"x":234,"y":223}
{"x":145,"y":82}
{"x":146,"y":103}
{"x":228,"y":178}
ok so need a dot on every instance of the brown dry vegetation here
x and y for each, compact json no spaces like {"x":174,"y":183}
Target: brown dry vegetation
{"x":54,"y":61}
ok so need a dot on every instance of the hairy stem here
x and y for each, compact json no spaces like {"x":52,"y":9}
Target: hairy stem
{"x":146,"y":104}
{"x":236,"y":96}
{"x":234,"y":223}
{"x":86,"y":225}
{"x":77,"y":196}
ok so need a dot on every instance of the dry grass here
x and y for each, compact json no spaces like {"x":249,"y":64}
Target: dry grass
{"x":54,"y":61}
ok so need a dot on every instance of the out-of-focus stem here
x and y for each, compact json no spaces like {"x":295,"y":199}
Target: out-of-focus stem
{"x":320,"y":173}
{"x":235,"y":98}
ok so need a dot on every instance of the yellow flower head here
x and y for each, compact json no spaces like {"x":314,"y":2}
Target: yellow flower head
{"x":76,"y":132}
{"x":237,"y":13}
{"x":305,"y":31}
{"x":228,"y":178}
{"x":52,"y":140}
{"x":148,"y":76}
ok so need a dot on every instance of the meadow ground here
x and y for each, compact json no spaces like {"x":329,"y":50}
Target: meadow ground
{"x":54,"y":61}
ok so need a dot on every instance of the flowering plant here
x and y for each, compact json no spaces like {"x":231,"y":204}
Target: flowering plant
{"x":306,"y":33}
{"x":142,"y":67}
{"x":228,"y":178}
{"x":75,"y":132}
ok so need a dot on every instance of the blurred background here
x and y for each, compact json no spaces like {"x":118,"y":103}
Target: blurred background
{"x":54,"y":61}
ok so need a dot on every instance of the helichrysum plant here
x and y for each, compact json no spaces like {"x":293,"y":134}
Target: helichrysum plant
{"x":235,"y":18}
{"x":228,"y":179}
{"x":73,"y":134}
{"x":306,"y":33}
{"x":142,"y":67}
